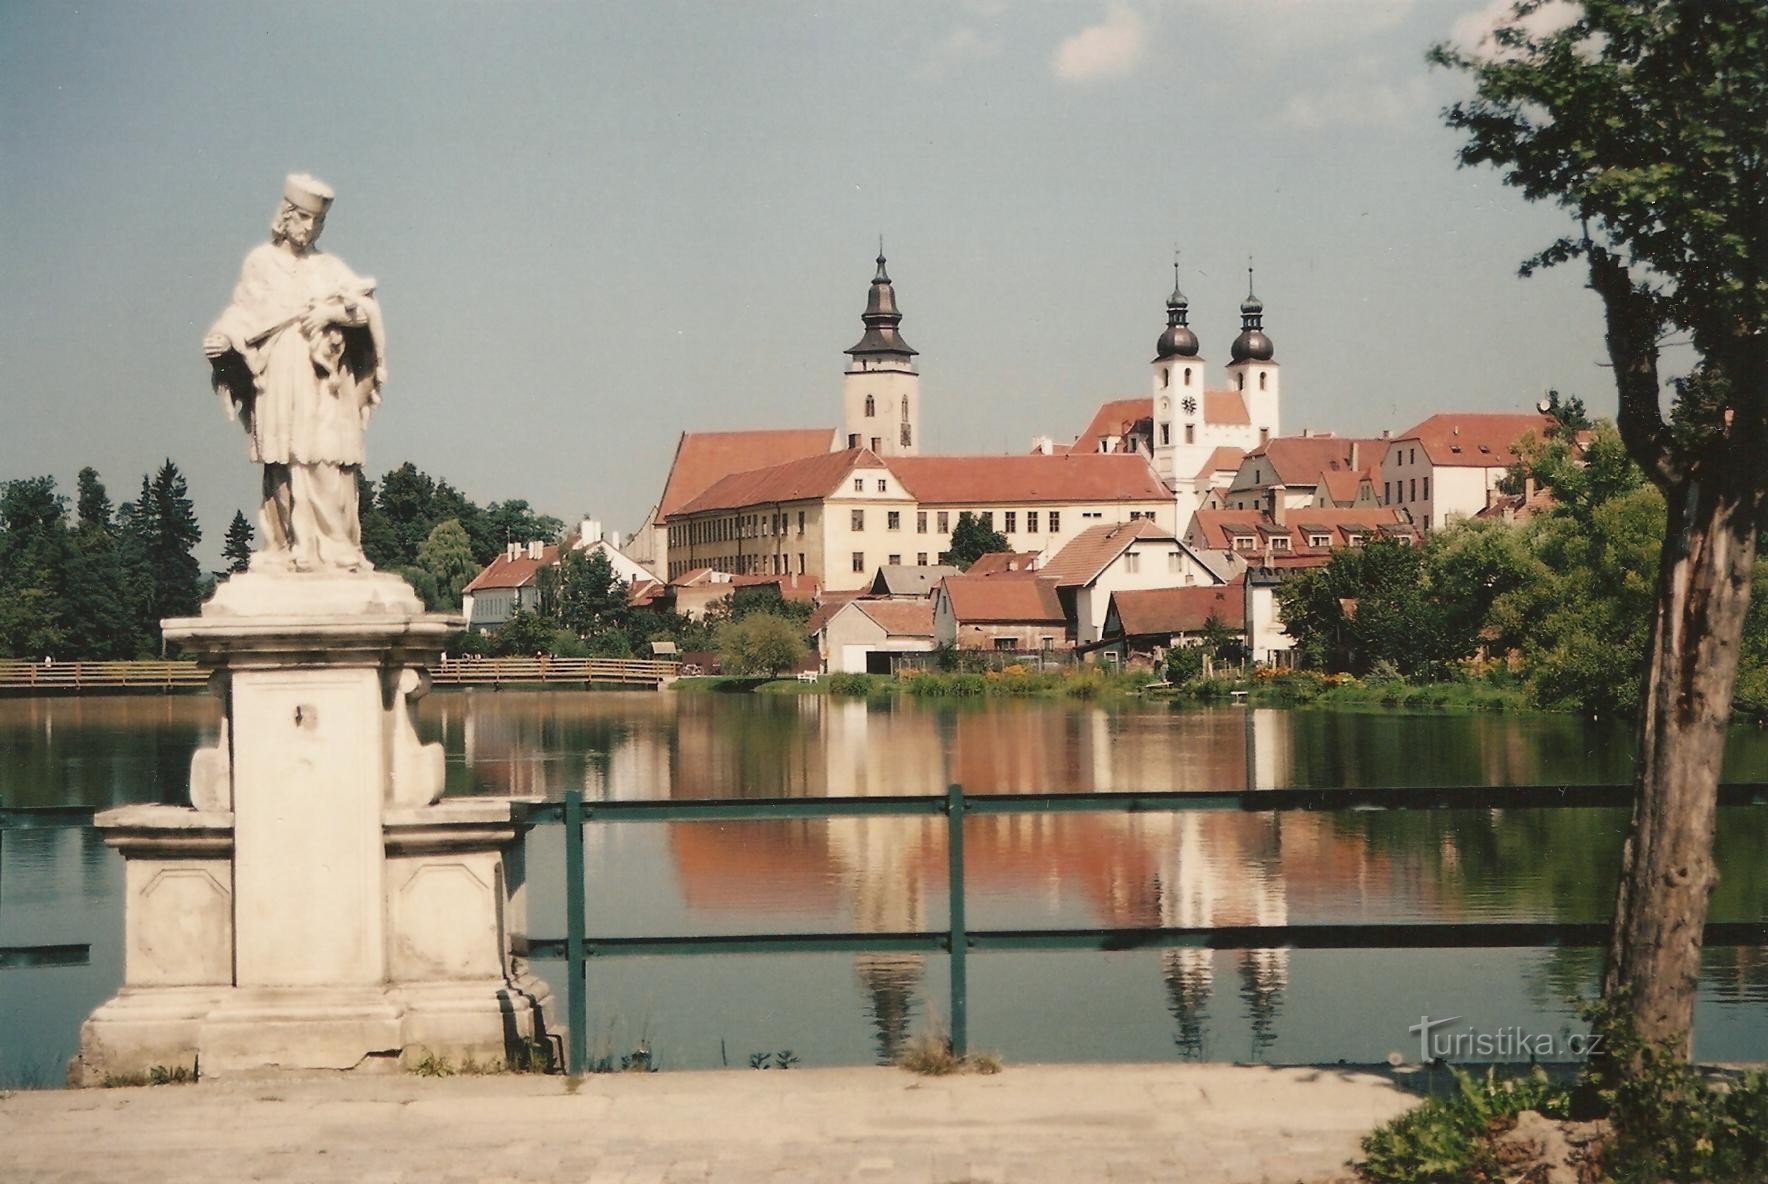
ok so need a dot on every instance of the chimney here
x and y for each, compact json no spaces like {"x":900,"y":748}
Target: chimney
{"x":512,"y":552}
{"x":589,"y":531}
{"x":614,"y":540}
{"x":1042,"y":446}
{"x":1307,"y":433}
{"x":1279,"y":512}
{"x":1528,"y":490}
{"x":1387,"y":433}
{"x":534,"y":548}
{"x":1355,"y":453}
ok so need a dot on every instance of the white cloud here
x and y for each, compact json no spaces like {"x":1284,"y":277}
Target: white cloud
{"x":1473,"y":31}
{"x":1369,"y":104}
{"x":1109,"y":49}
{"x":1282,"y":28}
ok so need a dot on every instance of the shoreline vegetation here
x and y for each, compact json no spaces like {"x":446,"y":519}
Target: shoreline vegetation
{"x":1263,"y":688}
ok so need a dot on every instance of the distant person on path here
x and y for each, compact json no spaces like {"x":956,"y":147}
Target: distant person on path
{"x":299,"y":355}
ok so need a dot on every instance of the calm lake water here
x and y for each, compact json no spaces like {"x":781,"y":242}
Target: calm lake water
{"x":889,"y":874}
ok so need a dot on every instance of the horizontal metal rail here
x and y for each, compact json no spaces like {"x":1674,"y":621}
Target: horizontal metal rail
{"x":957,"y":941}
{"x":39,"y":957}
{"x":1456,"y":797}
{"x":45,"y":817}
{"x":1378,"y":936}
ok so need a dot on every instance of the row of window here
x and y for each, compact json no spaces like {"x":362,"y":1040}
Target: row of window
{"x":744,"y":526}
{"x":905,"y":436}
{"x":872,"y":409}
{"x":743,"y":565}
{"x":895,"y":560}
{"x":1389,"y":488}
{"x":941,"y":520}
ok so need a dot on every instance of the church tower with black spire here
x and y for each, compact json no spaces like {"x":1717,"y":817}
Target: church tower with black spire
{"x":881,"y":391}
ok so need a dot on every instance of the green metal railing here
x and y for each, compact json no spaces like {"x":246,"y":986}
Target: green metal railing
{"x":41,"y":818}
{"x":957,"y":940}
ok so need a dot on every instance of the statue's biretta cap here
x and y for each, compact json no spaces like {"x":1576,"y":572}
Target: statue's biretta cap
{"x":307,"y":193}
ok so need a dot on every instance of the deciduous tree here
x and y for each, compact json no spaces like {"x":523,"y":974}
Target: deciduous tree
{"x":1644,"y":120}
{"x":972,"y":539}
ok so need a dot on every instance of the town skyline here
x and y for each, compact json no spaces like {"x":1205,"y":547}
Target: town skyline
{"x":593,"y":233}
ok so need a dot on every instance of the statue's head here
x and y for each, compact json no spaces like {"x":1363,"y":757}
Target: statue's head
{"x":301,"y":216}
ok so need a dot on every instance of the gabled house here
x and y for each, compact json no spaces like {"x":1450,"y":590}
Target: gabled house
{"x":1448,"y":466}
{"x":1319,"y":470}
{"x":1290,"y":538}
{"x":989,"y":613}
{"x":1107,"y":558}
{"x":1146,"y":622}
{"x":898,"y":580}
{"x":509,"y":584}
{"x":865,"y":636}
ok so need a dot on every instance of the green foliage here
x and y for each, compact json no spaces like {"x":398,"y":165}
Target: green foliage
{"x":850,"y":684}
{"x":591,"y":602}
{"x":446,"y":554}
{"x":237,"y":550}
{"x":399,"y":514}
{"x":1439,"y":1140}
{"x":1669,"y":1122}
{"x":523,"y":636}
{"x":1184,"y":664}
{"x":971,"y":540}
{"x":761,"y":643}
{"x":1643,"y":120}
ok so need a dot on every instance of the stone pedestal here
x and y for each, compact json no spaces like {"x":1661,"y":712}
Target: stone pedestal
{"x":316,"y":906}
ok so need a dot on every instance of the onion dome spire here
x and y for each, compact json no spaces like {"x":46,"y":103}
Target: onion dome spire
{"x":1252,"y":345}
{"x":881,"y":316}
{"x":1178,"y":341}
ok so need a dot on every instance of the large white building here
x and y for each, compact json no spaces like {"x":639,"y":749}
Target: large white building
{"x":1446,"y":467}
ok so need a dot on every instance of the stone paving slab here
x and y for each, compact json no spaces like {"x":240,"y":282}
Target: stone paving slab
{"x":1213,"y":1124}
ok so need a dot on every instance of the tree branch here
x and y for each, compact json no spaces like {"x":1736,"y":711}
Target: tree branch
{"x":1633,"y":327}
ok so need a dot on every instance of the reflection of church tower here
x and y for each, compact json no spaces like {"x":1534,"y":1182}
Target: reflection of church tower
{"x":881,"y":392}
{"x":891,"y":981}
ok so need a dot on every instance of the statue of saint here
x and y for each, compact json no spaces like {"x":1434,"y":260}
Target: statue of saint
{"x":299,"y":356}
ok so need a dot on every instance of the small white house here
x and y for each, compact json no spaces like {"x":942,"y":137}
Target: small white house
{"x":1116,"y":557}
{"x":861,"y":634}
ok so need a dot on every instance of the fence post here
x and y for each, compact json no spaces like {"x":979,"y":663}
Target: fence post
{"x":576,"y":988}
{"x":954,"y":849}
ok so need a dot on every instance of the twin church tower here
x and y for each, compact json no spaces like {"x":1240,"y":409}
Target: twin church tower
{"x":1188,"y":423}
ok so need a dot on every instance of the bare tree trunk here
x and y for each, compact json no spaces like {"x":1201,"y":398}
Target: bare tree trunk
{"x":1667,"y":870}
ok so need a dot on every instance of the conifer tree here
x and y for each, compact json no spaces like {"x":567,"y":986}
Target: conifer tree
{"x":237,"y":550}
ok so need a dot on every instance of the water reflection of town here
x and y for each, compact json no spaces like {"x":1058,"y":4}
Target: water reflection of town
{"x":1078,"y":870}
{"x":889,"y":874}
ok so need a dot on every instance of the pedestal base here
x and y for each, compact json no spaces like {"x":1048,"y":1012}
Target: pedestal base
{"x":233,"y":1030}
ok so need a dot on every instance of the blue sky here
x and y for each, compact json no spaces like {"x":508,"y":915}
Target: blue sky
{"x":597,"y":225}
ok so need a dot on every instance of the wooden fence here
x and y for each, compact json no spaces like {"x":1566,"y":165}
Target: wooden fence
{"x":75,"y":677}
{"x":495,"y":672}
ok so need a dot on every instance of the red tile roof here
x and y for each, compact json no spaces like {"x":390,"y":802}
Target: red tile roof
{"x":810,"y":477}
{"x":1223,"y":460}
{"x":992,"y":480}
{"x":1213,"y":529}
{"x":504,"y":572}
{"x":1300,"y":460}
{"x":1093,"y":549}
{"x":1112,"y":420}
{"x":702,"y":459}
{"x":1017,"y":564}
{"x":1476,"y":440}
{"x":1225,"y":407}
{"x":1147,"y":612}
{"x":979,"y":600}
{"x":827,"y":605}
{"x":899,"y":618}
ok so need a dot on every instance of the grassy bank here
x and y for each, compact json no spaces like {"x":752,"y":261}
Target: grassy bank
{"x":1013,"y":682}
{"x":1300,"y":688}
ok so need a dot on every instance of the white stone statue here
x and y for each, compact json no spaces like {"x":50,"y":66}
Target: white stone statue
{"x":300,"y":356}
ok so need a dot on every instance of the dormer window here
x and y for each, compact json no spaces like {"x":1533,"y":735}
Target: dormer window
{"x":1319,"y":540}
{"x":1280,"y":542}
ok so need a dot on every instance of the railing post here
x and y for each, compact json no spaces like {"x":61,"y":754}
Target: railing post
{"x":576,"y":988}
{"x":954,"y":850}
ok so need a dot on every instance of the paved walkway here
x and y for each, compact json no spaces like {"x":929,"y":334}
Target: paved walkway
{"x":1074,"y":1124}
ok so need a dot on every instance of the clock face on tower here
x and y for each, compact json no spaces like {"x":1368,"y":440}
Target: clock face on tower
{"x":1190,"y":405}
